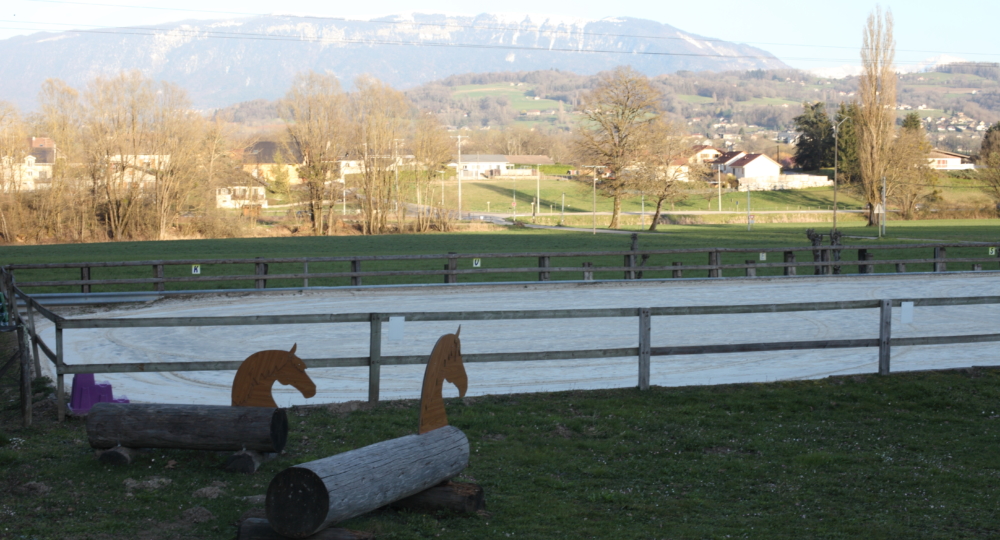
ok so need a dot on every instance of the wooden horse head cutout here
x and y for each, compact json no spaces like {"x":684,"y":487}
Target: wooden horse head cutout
{"x":445,"y":364}
{"x":252,"y":385}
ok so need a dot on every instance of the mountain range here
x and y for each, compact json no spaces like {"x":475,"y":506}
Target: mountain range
{"x":227,"y":61}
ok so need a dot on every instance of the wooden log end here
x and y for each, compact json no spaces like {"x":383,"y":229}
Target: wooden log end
{"x":450,"y":496}
{"x":119,"y":455}
{"x":297,"y":502}
{"x":246,"y":462}
{"x":260,"y":529}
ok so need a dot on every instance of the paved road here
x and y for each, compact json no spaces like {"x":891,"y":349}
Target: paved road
{"x":341,"y":384}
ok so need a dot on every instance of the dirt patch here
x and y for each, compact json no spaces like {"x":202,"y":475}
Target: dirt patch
{"x":150,"y":484}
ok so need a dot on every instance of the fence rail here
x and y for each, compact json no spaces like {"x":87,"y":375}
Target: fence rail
{"x":636,"y":264}
{"x":644,"y":351}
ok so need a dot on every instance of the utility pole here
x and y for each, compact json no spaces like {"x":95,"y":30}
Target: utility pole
{"x":595,"y":201}
{"x":459,"y":170}
{"x":562,"y":212}
{"x":642,"y":212}
{"x":718,"y":183}
{"x":885,"y":211}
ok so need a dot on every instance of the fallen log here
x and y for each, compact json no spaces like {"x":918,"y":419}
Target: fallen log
{"x":260,"y":529}
{"x":190,"y":427}
{"x":450,"y":496}
{"x":306,"y":498}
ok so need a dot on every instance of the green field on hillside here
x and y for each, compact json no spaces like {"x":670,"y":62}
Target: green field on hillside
{"x":515,"y":94}
{"x":910,"y":455}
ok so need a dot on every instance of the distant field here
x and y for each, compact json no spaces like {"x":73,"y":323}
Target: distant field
{"x":688,"y":98}
{"x":516,"y":94}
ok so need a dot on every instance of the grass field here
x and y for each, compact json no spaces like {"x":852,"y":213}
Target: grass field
{"x":503,"y":241}
{"x":903,"y":456}
{"x":515,"y":94}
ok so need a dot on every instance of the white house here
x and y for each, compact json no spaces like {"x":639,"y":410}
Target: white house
{"x":26,"y":175}
{"x":948,"y":161}
{"x":703,"y":153}
{"x":754,"y":165}
{"x":475,"y":166}
{"x":240,"y":196}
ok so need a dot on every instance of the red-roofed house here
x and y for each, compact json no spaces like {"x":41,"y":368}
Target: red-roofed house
{"x":753,"y":166}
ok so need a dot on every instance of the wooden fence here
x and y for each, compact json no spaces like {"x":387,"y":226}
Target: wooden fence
{"x":644,"y":351}
{"x":477,"y":267}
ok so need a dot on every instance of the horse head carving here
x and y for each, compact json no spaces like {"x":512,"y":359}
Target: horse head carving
{"x":445,"y":364}
{"x":256,"y":375}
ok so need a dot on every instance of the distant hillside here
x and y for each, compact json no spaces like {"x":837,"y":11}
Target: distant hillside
{"x":224,"y":62}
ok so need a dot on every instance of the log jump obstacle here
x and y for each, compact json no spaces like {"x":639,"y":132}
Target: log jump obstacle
{"x":120,"y":428}
{"x":310,"y":497}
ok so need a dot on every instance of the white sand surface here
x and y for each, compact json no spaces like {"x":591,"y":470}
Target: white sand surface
{"x":342,"y":384}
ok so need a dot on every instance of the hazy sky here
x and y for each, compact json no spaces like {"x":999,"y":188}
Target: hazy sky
{"x":804,"y":34}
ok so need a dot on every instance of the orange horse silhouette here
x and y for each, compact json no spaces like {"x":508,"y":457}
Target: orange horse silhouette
{"x":252,"y":385}
{"x":445,"y":364}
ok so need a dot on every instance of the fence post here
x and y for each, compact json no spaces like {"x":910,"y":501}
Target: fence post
{"x":158,"y":274}
{"x":751,"y":270}
{"x":305,"y":270}
{"x":374,"y":357}
{"x":450,"y":276}
{"x":901,"y":268}
{"x":977,"y":268}
{"x":790,"y":258}
{"x":677,"y":273}
{"x":645,"y":324}
{"x":630,"y":258}
{"x":60,"y":394}
{"x":34,"y":339}
{"x":356,"y":268}
{"x":828,"y":257}
{"x":543,"y":262}
{"x":85,"y":276}
{"x":260,"y":269}
{"x":862,"y":256}
{"x":939,"y":255}
{"x":588,"y":275}
{"x":713,"y":260}
{"x":25,"y":378}
{"x":884,"y":340}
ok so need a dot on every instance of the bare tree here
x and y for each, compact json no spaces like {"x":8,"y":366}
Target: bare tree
{"x":432,"y":148}
{"x":615,"y":126}
{"x":315,"y":112}
{"x":991,"y":177}
{"x":67,"y":208}
{"x":663,"y":167}
{"x":13,"y":177}
{"x":875,"y":118}
{"x":118,"y":128}
{"x":381,"y":115}
{"x":909,"y":177}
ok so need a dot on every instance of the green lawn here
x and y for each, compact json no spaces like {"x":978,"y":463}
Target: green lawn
{"x":505,"y":241}
{"x":903,"y":456}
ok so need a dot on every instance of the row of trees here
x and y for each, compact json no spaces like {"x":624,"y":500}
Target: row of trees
{"x":134,"y":161}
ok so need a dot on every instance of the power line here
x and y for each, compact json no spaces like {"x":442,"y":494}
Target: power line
{"x":216,"y":34}
{"x":485,"y":27}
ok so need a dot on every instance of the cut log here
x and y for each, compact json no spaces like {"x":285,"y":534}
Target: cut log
{"x":191,"y":427}
{"x":119,"y":455}
{"x":451,"y":496}
{"x":260,"y":529}
{"x":307,"y":498}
